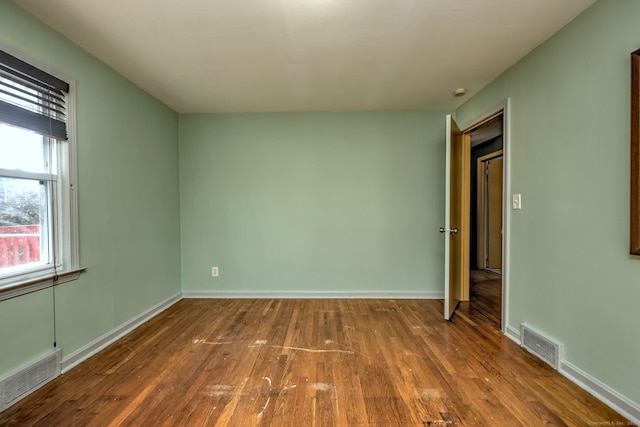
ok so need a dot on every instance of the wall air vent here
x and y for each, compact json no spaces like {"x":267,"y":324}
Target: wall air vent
{"x":28,"y":379}
{"x":541,"y":346}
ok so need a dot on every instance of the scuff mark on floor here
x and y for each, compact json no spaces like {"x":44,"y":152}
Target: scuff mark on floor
{"x":430,"y":393}
{"x":231,"y":406}
{"x":268,"y":398}
{"x":308,"y":350}
{"x":410,"y":353}
{"x":217,"y":390}
{"x":438,"y":422}
{"x":322,"y":386}
{"x":199,"y":341}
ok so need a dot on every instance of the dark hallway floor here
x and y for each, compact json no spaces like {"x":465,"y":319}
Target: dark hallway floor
{"x":485,"y":289}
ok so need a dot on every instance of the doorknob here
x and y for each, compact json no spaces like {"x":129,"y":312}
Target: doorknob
{"x":451,"y":230}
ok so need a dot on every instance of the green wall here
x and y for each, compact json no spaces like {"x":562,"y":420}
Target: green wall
{"x":312,"y":201}
{"x":128,"y":204}
{"x":571,"y":275}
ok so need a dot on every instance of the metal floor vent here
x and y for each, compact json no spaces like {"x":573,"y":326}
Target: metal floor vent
{"x":28,"y":379}
{"x":541,"y":346}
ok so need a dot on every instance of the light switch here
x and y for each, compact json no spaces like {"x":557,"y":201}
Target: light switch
{"x":517,"y":202}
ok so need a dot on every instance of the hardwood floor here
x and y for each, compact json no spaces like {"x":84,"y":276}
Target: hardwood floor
{"x":311,"y":363}
{"x":485,"y":297}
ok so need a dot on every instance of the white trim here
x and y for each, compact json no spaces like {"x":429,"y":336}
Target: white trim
{"x":110,"y":337}
{"x":513,"y":334}
{"x":41,"y":280}
{"x":314,"y":294}
{"x":20,"y":174}
{"x":620,"y":403}
{"x":506,"y":214}
{"x":504,"y":108}
{"x":447,"y":214}
{"x":69,"y":164}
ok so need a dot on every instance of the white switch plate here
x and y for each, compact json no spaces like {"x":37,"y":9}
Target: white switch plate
{"x":517,"y":201}
{"x":214,"y":271}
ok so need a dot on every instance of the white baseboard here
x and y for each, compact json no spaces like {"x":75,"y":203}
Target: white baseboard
{"x":513,"y":334}
{"x":622,"y":404}
{"x":314,"y":294}
{"x":110,"y":337}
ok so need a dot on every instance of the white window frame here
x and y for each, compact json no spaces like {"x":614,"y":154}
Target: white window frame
{"x":65,"y":191}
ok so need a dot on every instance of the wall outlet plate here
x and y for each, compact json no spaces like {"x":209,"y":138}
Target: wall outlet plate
{"x":214,"y":272}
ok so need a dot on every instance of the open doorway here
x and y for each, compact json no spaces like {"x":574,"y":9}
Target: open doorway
{"x":486,"y":219}
{"x":486,"y":295}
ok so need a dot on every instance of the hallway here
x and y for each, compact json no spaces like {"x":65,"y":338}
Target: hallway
{"x":485,"y":298}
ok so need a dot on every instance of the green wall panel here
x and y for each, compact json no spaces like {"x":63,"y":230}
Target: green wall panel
{"x":26,"y":329}
{"x":312,"y":201}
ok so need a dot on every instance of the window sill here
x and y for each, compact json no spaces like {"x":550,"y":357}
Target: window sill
{"x":33,"y":284}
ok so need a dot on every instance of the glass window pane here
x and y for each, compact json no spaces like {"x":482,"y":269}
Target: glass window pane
{"x":21,"y":149}
{"x":23,"y":224}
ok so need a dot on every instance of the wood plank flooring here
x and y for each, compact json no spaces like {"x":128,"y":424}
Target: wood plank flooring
{"x":486,"y":297}
{"x":312,"y":363}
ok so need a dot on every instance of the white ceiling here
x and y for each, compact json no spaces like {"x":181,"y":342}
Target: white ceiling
{"x":307,"y":55}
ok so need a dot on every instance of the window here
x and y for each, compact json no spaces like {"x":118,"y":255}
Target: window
{"x":38,"y":202}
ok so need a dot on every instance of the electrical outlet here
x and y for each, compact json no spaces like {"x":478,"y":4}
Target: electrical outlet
{"x":214,"y":272}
